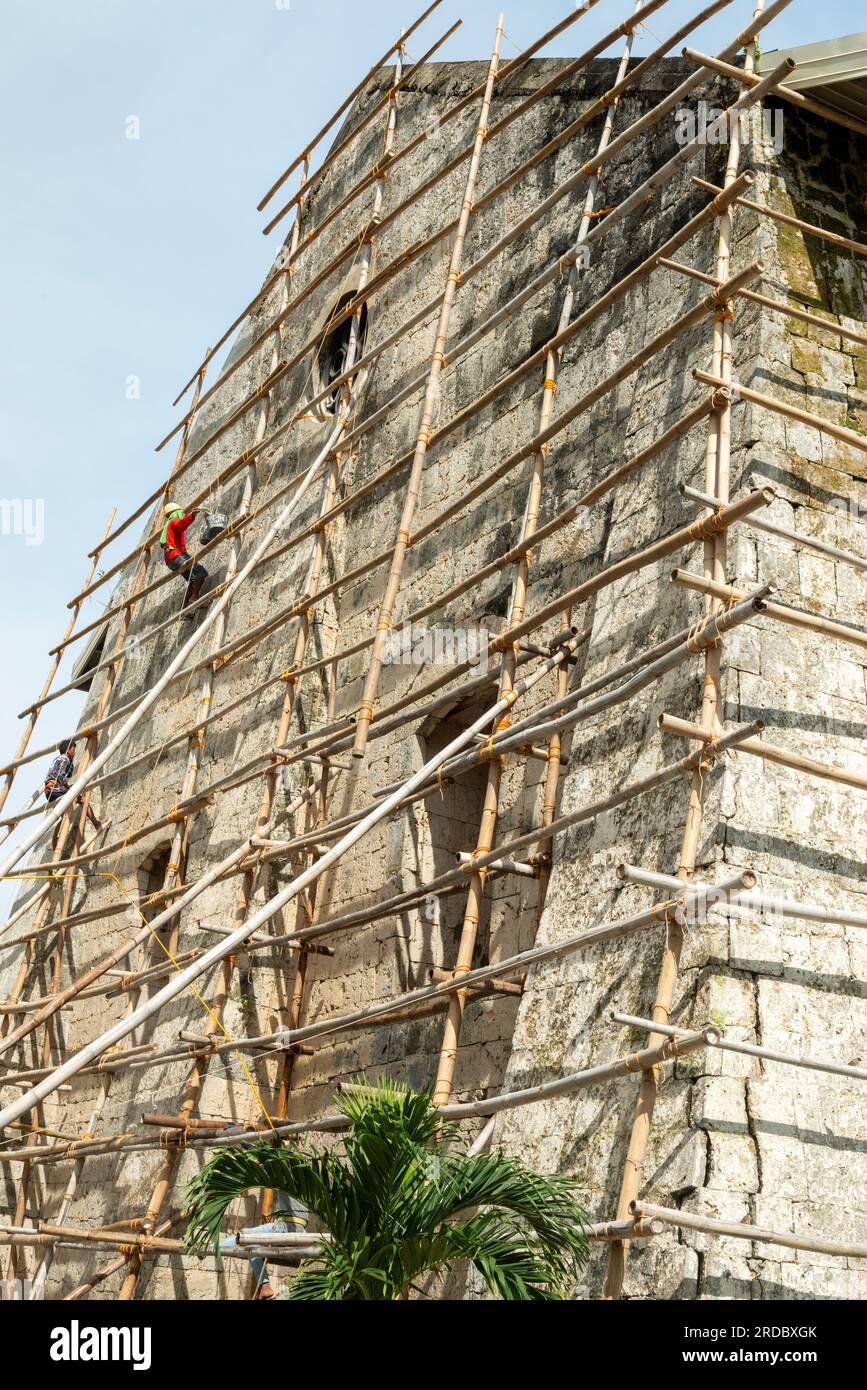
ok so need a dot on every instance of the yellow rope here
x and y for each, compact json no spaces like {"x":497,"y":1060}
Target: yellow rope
{"x":164,"y":948}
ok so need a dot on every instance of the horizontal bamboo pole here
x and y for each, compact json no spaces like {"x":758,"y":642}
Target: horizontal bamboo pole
{"x":749,"y":1049}
{"x":593,"y":1076}
{"x":786,"y":532}
{"x":795,"y":617}
{"x":739,"y":392}
{"x":690,"y":1221}
{"x":683,"y":728}
{"x":786,"y":907}
{"x":627,"y":1229}
{"x":809,"y":228}
{"x":776,"y":305}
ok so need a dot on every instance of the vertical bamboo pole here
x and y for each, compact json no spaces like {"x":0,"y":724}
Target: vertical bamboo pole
{"x":717,"y":470}
{"x":517,"y":612}
{"x":431,"y":397}
{"x":49,"y":679}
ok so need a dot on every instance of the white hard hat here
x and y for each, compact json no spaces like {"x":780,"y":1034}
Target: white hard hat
{"x":173,"y":507}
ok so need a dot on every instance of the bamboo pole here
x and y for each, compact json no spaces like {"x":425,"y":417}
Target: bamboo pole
{"x":717,"y":482}
{"x":786,"y":907}
{"x":739,"y":392}
{"x":775,"y":305}
{"x":786,"y":532}
{"x":808,"y":228}
{"x":750,"y":1049}
{"x":796,"y":617}
{"x":818,"y":108}
{"x":682,"y":728}
{"x":49,"y":681}
{"x":432,"y":393}
{"x":517,"y":610}
{"x":743,"y":1231}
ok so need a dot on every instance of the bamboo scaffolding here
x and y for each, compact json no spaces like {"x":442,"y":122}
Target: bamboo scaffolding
{"x":517,"y":609}
{"x":750,"y":1049}
{"x":46,"y":1014}
{"x":786,"y":907}
{"x":808,"y":228}
{"x":194,"y":1084}
{"x":718,"y":521}
{"x":635,"y":200}
{"x":739,"y":392}
{"x":786,"y":532}
{"x":677,"y":240}
{"x":717,"y":483}
{"x":795,"y":617}
{"x":49,"y":681}
{"x":150,"y":699}
{"x":398,"y":44}
{"x":828,"y":113}
{"x":641,"y":194}
{"x":682,"y":728}
{"x":508,"y":70}
{"x":310,"y":180}
{"x":719,"y":404}
{"x":742,"y":1231}
{"x":407,"y":256}
{"x":230,"y":943}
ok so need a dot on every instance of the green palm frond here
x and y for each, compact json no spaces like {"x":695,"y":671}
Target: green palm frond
{"x":404,"y":1199}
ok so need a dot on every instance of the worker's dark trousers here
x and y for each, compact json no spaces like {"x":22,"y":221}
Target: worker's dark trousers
{"x":198,"y":571}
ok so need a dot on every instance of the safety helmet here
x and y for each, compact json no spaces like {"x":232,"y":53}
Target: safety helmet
{"x":172,"y":507}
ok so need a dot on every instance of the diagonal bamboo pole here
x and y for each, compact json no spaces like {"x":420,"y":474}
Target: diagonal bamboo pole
{"x":49,"y":681}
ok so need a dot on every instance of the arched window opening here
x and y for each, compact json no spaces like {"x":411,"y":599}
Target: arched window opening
{"x":330,"y":360}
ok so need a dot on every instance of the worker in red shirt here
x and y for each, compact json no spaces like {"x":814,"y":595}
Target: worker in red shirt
{"x":173,"y":542}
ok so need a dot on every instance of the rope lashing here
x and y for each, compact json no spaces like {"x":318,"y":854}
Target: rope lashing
{"x":550,"y":384}
{"x":600,"y":212}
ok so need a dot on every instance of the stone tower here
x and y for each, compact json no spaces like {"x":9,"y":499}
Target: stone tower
{"x":251,"y":751}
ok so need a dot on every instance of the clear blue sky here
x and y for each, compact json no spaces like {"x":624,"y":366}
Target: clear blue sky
{"x":124,"y":258}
